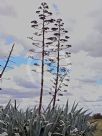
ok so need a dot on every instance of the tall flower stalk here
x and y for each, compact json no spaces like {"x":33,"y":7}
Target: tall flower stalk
{"x":42,"y":27}
{"x":62,"y":53}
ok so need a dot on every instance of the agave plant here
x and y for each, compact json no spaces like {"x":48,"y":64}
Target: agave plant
{"x":53,"y":122}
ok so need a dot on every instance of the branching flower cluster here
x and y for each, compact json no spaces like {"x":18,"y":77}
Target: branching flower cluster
{"x":50,"y":41}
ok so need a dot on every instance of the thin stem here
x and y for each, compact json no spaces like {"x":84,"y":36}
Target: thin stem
{"x":7,"y":62}
{"x":15,"y":105}
{"x":57,"y":78}
{"x":42,"y":69}
{"x":57,"y":92}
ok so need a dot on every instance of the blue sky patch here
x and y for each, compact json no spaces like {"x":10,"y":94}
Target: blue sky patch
{"x":99,"y":82}
{"x":9,"y":40}
{"x":0,"y":34}
{"x":55,"y":7}
{"x":14,"y":61}
{"x":19,"y":60}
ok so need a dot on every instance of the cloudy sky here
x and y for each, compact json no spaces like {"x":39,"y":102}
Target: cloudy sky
{"x":82,"y":19}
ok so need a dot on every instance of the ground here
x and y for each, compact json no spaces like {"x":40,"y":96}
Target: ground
{"x":99,"y":127}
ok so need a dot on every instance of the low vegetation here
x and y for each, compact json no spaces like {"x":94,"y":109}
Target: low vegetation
{"x":53,"y":122}
{"x":97,"y":116}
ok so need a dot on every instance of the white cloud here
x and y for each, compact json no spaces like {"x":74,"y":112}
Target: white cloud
{"x":76,"y":14}
{"x":23,"y":83}
{"x":82,"y":19}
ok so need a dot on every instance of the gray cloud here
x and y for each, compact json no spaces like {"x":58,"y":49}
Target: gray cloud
{"x":7,"y":11}
{"x":92,"y":45}
{"x":87,"y":80}
{"x":99,"y":99}
{"x":26,"y":84}
{"x":14,"y":93}
{"x":89,"y":33}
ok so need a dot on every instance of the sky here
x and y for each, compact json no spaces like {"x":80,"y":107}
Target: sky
{"x":82,"y":19}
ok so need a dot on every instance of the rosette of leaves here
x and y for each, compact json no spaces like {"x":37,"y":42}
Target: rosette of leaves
{"x":54,"y":122}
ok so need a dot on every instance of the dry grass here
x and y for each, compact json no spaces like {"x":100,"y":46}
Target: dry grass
{"x":99,"y":127}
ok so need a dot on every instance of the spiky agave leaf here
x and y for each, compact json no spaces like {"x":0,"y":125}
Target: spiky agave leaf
{"x":53,"y":122}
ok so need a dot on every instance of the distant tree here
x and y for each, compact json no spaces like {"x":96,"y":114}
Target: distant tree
{"x":97,"y":116}
{"x":42,"y":27}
